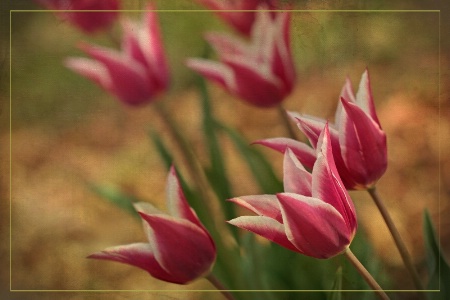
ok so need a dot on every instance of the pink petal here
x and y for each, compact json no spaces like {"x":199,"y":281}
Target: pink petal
{"x":295,"y":179}
{"x":282,"y":64}
{"x":265,"y":227}
{"x":176,"y":200}
{"x":346,"y":93}
{"x":248,"y":76}
{"x":128,"y":79}
{"x":214,"y":71}
{"x":316,"y":228}
{"x":263,"y":205}
{"x":225,"y":43}
{"x":310,"y":126}
{"x":181,"y":248}
{"x":150,"y":42}
{"x":90,"y":69}
{"x":304,"y":153}
{"x":364,"y":98}
{"x":327,"y":184}
{"x":139,"y":255}
{"x":363,"y":145}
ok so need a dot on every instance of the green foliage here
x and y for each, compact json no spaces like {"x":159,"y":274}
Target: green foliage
{"x":116,"y":196}
{"x":438,"y":268}
{"x":260,"y":167}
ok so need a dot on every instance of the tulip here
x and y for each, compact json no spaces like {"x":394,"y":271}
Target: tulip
{"x":137,"y":73}
{"x":260,"y":72}
{"x":359,"y":143}
{"x":179,"y":248}
{"x":88,"y":22}
{"x":241,"y":21}
{"x":314,"y":216}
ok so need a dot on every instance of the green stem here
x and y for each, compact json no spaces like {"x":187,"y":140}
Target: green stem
{"x":218,"y":227}
{"x":218,"y":285}
{"x":397,"y":238}
{"x":286,"y":122}
{"x":365,"y":274}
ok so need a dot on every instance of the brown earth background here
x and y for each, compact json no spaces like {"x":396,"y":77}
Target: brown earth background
{"x":65,"y":131}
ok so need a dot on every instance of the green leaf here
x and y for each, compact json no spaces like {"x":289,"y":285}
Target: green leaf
{"x":216,"y":173}
{"x":438,"y":268}
{"x":337,"y":286}
{"x":116,"y":196}
{"x":258,"y":164}
{"x":162,"y":150}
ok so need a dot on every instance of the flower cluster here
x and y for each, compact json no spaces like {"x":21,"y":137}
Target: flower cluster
{"x":313,"y":215}
{"x":136,"y":74}
{"x":359,"y":143}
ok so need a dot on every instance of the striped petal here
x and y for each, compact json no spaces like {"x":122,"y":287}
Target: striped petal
{"x":295,"y":178}
{"x":304,"y":153}
{"x":265,"y":227}
{"x":176,"y":200}
{"x":263,"y":205}
{"x":139,"y":255}
{"x":180,"y":247}
{"x":315,"y":228}
{"x":363,"y":145}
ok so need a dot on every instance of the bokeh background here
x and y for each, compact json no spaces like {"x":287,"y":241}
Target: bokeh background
{"x":65,"y":131}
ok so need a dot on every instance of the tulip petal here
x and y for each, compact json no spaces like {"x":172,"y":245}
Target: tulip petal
{"x":176,"y":200}
{"x":310,"y":126}
{"x":265,"y":227}
{"x":181,"y":248}
{"x":295,"y":178}
{"x":128,"y":78}
{"x":150,"y":42}
{"x":347,"y":94}
{"x":248,"y":76}
{"x":327,"y":185}
{"x":139,"y":255}
{"x":90,"y":69}
{"x":364,"y":98}
{"x":363,"y":145}
{"x":225,"y":43}
{"x":304,"y":153}
{"x":316,"y":228}
{"x":263,"y":205}
{"x":282,"y":64}
{"x":214,"y":71}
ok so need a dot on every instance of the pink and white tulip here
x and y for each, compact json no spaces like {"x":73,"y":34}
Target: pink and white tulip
{"x":260,"y":71}
{"x":231,"y":11}
{"x":88,"y":22}
{"x":314,"y":216}
{"x":138,"y":72}
{"x":179,"y":248}
{"x":359,"y":143}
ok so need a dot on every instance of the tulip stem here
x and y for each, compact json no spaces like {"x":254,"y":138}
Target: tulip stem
{"x":218,"y":285}
{"x":365,"y":274}
{"x":286,"y":122}
{"x":397,"y":238}
{"x":214,"y":218}
{"x":193,"y":166}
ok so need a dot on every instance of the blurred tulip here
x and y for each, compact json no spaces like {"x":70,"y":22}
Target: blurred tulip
{"x":231,"y":11}
{"x":314,"y":216}
{"x":89,"y":22}
{"x":260,"y":72}
{"x":137,"y":73}
{"x":179,"y":250}
{"x":359,"y":143}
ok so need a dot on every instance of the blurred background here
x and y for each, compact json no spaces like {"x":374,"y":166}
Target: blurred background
{"x":65,"y":131}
